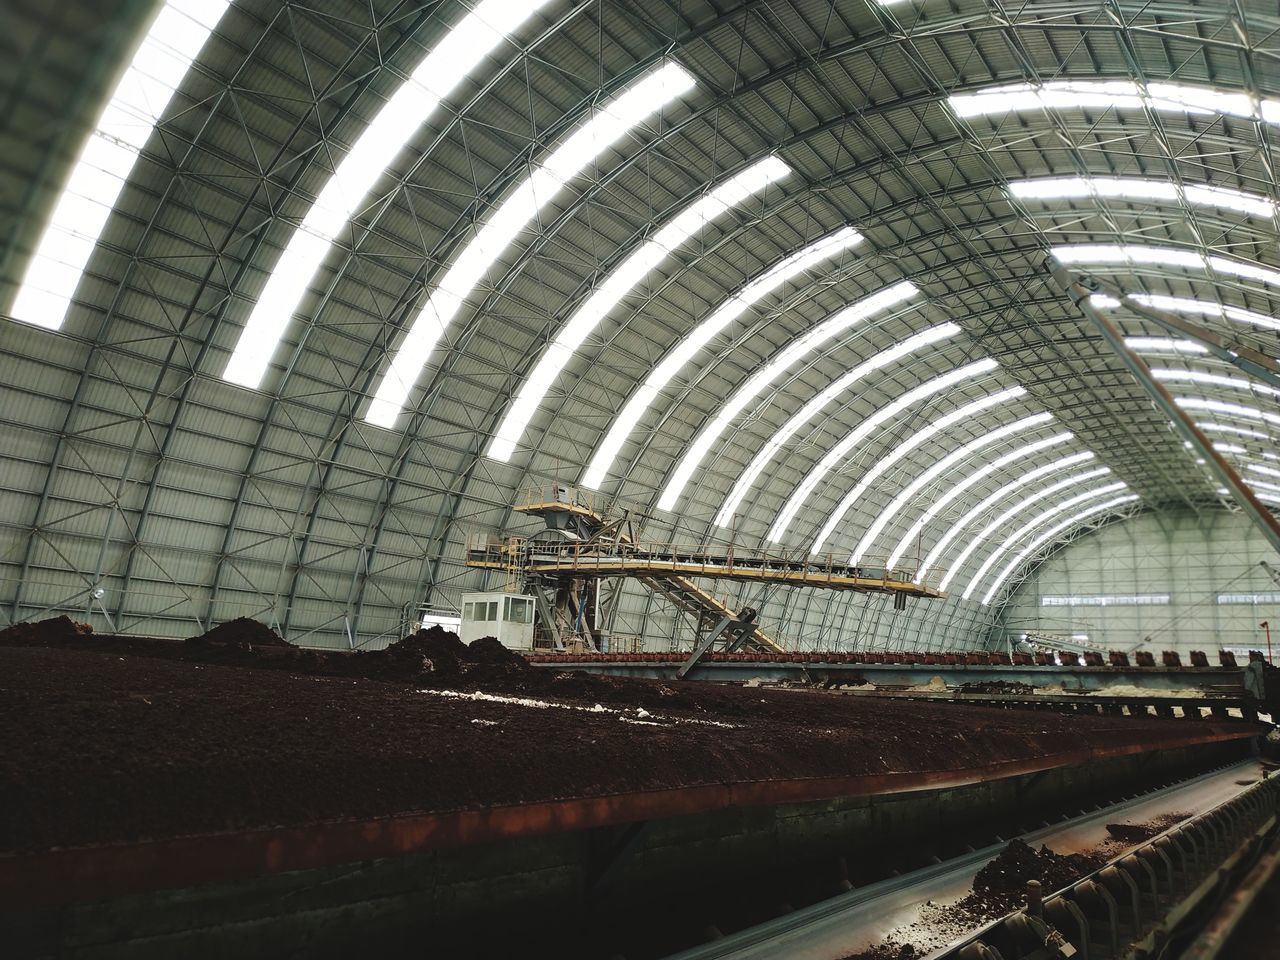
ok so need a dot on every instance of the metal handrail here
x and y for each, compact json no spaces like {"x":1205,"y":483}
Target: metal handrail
{"x":711,"y":559}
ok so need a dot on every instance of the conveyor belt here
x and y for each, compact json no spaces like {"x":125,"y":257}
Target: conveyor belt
{"x":749,"y":567}
{"x":854,"y":921}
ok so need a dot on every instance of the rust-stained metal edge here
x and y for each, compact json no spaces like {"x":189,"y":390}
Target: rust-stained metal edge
{"x":82,"y":874}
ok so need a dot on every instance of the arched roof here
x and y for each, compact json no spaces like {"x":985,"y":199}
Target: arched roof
{"x":135,"y":466}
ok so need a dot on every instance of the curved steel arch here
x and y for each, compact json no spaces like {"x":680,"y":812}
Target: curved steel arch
{"x":95,"y":348}
{"x":1043,"y":555}
{"x":773,"y":74}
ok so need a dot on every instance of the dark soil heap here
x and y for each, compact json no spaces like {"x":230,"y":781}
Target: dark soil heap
{"x":490,"y":650}
{"x":999,"y":888}
{"x":439,"y":654}
{"x":56,"y":631}
{"x":1006,"y":876}
{"x":241,"y":632}
{"x":1137,"y":832}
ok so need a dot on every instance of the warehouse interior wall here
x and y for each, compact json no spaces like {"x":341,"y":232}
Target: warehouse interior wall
{"x":1165,"y":580}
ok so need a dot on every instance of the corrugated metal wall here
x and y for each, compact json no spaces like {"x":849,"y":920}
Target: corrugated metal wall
{"x":1191,"y":557}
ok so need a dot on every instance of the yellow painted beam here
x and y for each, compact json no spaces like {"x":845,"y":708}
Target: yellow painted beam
{"x":638,"y":567}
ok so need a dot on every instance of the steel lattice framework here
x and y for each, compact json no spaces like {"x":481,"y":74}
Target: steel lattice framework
{"x":141,"y":487}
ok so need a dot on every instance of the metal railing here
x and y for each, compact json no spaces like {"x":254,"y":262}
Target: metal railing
{"x":696,"y":559}
{"x":537,"y":494}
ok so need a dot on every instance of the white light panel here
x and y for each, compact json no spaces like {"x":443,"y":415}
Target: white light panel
{"x":1019,"y":536}
{"x":688,"y":347}
{"x":1203,"y":308}
{"x":957,"y":490}
{"x":815,"y":405}
{"x":174,"y":40}
{"x":1229,"y":409}
{"x":903,"y":449}
{"x":611,"y":122}
{"x":830,"y":328}
{"x":1164,"y":345}
{"x":1049,"y":534}
{"x":454,"y":58}
{"x":1211,"y":379}
{"x":993,"y":525}
{"x":624,"y":279}
{"x":1106,"y":600}
{"x":865,"y":429}
{"x":1109,"y":95}
{"x":937,"y":469}
{"x":986,"y":503}
{"x":1099,"y":254}
{"x":1136,"y":189}
{"x":1209,"y":427}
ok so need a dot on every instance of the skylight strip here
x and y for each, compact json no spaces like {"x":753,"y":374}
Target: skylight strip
{"x":935,"y":470}
{"x":815,"y":405}
{"x":1137,"y":189}
{"x":1049,"y":534}
{"x":1230,"y":409}
{"x":1109,"y":95}
{"x":830,"y":328}
{"x":1140,"y":254}
{"x":957,"y":490}
{"x":1204,"y":308}
{"x":1259,"y":468}
{"x":1164,"y":345}
{"x":986,"y":503}
{"x":619,"y":284}
{"x":454,"y":58}
{"x":993,"y":525}
{"x":1019,"y":535}
{"x":1212,"y":380}
{"x":590,"y":140}
{"x":1234,"y":431}
{"x":911,"y":443}
{"x":174,"y":40}
{"x":865,"y":429}
{"x":684,"y":351}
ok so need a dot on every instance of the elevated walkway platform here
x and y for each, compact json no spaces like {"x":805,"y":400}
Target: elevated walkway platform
{"x":582,"y":546}
{"x":634,"y":560}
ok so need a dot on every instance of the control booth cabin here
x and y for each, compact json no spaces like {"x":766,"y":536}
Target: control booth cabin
{"x":506,"y":616}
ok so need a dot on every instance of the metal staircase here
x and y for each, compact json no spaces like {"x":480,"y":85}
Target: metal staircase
{"x":564,"y":565}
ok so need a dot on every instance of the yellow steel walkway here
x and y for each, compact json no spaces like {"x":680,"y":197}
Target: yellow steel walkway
{"x":756,"y":566}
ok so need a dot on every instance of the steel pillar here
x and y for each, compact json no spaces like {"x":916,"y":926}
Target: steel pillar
{"x":1080,"y":287}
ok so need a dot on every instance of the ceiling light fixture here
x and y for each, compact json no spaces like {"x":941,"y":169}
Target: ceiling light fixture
{"x":830,"y":328}
{"x":624,"y":279}
{"x":174,"y":40}
{"x":591,"y":139}
{"x":688,"y":347}
{"x":865,"y":429}
{"x":1137,"y":189}
{"x":815,"y":405}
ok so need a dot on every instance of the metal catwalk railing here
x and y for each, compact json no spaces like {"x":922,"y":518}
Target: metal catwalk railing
{"x":796,"y":567}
